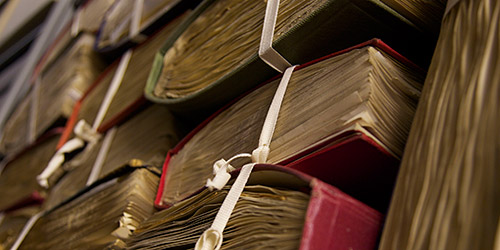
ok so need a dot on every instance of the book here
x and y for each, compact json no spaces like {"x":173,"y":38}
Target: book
{"x":87,"y":107}
{"x":63,"y":82}
{"x":90,"y":14}
{"x":425,"y":14}
{"x":135,"y":77}
{"x":71,"y":178}
{"x":127,"y":23}
{"x":128,"y":97}
{"x":368,"y":88}
{"x":62,"y":42}
{"x":147,"y":136}
{"x":18,"y":178}
{"x":100,"y":215}
{"x":124,"y":103}
{"x":18,"y":31}
{"x":278,"y":209}
{"x":446,"y":195}
{"x":215,"y":58}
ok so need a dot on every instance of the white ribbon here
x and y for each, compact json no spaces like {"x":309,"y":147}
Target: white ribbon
{"x":101,"y":156}
{"x":266,"y":51}
{"x":33,"y":113}
{"x":211,"y":239}
{"x":113,"y":88}
{"x":84,"y":133}
{"x":75,"y":25}
{"x":27,"y":227}
{"x":136,"y":18}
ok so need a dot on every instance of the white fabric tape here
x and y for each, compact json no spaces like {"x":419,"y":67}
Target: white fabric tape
{"x":35,"y":97}
{"x":101,"y":156}
{"x":212,"y":238}
{"x":266,"y":51}
{"x":136,"y":18}
{"x":261,"y":153}
{"x":113,"y":88}
{"x":57,"y":160}
{"x":84,"y":133}
{"x":26,"y":229}
{"x":75,"y":26}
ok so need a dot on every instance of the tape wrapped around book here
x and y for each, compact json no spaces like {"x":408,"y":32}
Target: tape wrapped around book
{"x":279,"y":208}
{"x":207,"y":62}
{"x":312,"y":122}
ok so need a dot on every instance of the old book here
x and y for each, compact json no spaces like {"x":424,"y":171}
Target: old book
{"x":368,"y":89}
{"x":99,"y":215}
{"x":447,"y":192}
{"x":18,"y":178}
{"x":115,"y":97}
{"x":128,"y":22}
{"x":87,"y":107}
{"x":89,"y":16}
{"x":129,"y":95}
{"x":215,"y":58}
{"x":71,"y":178}
{"x":278,"y":209}
{"x":147,"y":136}
{"x":63,"y":82}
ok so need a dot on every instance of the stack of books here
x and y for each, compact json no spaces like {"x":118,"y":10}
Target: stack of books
{"x":136,"y":100}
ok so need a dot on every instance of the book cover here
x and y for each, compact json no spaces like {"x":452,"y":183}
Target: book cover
{"x":279,"y":208}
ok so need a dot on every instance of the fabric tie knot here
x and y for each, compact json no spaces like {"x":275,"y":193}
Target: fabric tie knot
{"x":210,"y":239}
{"x":84,"y":131}
{"x":260,"y":154}
{"x":221,"y":169}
